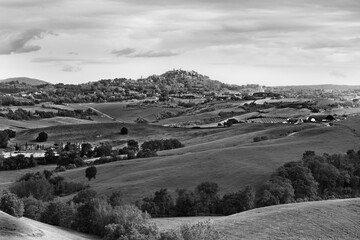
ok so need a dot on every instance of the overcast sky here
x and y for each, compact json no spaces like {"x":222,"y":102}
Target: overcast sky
{"x":270,"y":42}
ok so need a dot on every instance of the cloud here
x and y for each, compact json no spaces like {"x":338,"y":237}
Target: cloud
{"x":123,"y":52}
{"x":132,"y":52}
{"x":70,"y":68}
{"x":337,"y":74}
{"x":155,"y":54}
{"x":20,"y":43}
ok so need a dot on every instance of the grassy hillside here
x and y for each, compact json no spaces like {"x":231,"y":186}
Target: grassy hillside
{"x":30,"y":81}
{"x":228,"y":157}
{"x":12,"y":228}
{"x":332,"y":219}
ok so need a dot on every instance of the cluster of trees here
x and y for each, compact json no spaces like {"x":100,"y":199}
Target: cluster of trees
{"x":315,"y":177}
{"x":45,"y":186}
{"x":17,"y":162}
{"x":160,"y":145}
{"x":262,"y":138}
{"x":203,"y":201}
{"x":105,"y":216}
{"x":5,"y":136}
{"x":22,"y":114}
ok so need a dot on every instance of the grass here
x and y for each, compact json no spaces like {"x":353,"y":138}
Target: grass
{"x":228,"y":157}
{"x":129,"y":112}
{"x":12,"y":228}
{"x":332,"y":219}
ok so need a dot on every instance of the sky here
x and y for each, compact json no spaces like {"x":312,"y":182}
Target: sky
{"x":268,"y":42}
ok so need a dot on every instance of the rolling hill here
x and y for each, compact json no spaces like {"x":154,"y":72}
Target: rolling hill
{"x":12,"y":228}
{"x":227,"y":156}
{"x":29,"y":81}
{"x":322,"y":87}
{"x":331,"y":219}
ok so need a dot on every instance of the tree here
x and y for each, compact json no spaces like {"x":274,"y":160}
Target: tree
{"x":50,"y":156}
{"x":90,"y":172}
{"x":103,"y":150}
{"x":42,"y":137}
{"x":207,"y":197}
{"x":11,"y":204}
{"x":161,"y":205}
{"x":86,"y":150}
{"x":185,"y":203}
{"x":124,"y":131}
{"x":134,"y":145}
{"x":4,"y":138}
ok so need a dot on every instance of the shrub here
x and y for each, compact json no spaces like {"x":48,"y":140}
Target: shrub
{"x":34,"y":208}
{"x":116,"y":199}
{"x":11,"y":204}
{"x":200,"y":231}
{"x":131,"y":224}
{"x":42,"y":137}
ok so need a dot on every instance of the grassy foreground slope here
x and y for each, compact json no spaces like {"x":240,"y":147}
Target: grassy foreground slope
{"x":233,"y":161}
{"x":332,"y":219}
{"x":12,"y":228}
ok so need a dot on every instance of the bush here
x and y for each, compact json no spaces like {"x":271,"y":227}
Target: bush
{"x":200,"y":231}
{"x":42,"y":137}
{"x":11,"y":204}
{"x":131,"y":224}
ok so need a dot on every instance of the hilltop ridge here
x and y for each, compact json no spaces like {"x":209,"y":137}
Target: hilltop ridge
{"x":29,"y":81}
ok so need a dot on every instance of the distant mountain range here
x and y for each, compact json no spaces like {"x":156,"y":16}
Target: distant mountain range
{"x":321,"y":87}
{"x":29,"y":81}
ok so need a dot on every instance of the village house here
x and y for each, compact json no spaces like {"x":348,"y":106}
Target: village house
{"x":320,"y":118}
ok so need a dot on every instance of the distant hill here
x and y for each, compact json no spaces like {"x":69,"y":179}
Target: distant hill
{"x":321,"y":87}
{"x":29,"y":81}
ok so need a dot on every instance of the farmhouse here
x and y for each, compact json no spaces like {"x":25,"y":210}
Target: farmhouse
{"x":294,"y":121}
{"x":320,"y":118}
